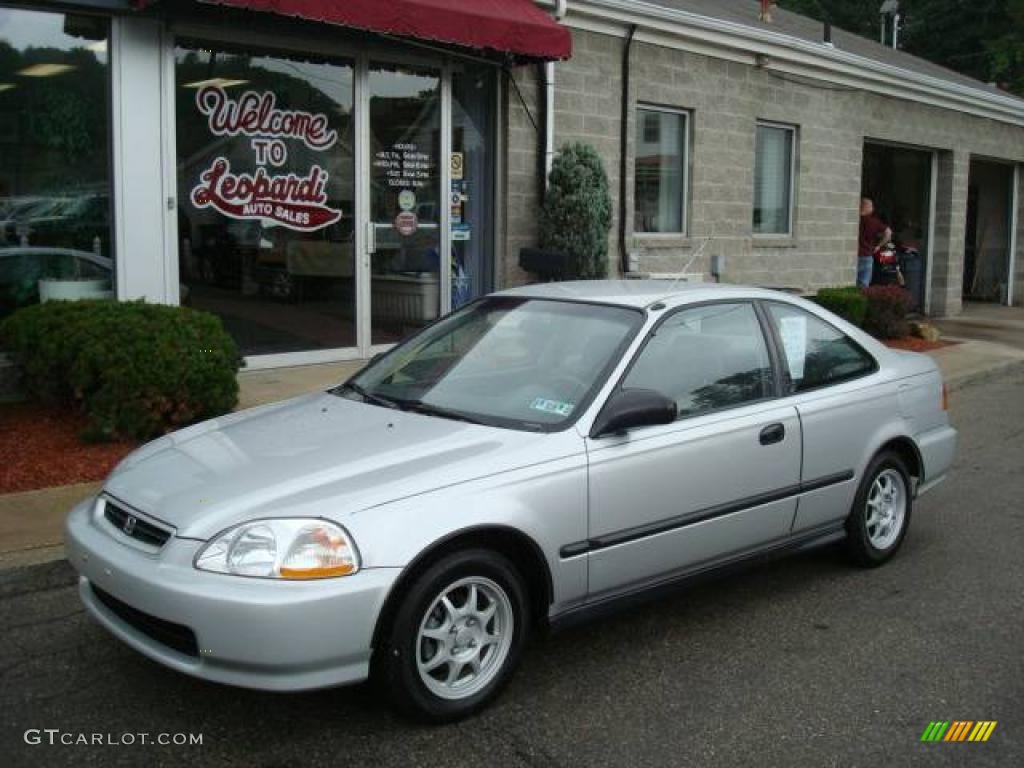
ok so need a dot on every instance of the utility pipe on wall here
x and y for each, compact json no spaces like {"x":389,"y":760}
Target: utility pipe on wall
{"x":624,"y":148}
{"x":549,"y":102}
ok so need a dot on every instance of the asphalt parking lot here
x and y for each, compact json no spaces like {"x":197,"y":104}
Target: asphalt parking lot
{"x":799,"y":662}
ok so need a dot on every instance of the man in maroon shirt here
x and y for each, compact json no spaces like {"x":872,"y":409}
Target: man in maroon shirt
{"x":873,"y":233}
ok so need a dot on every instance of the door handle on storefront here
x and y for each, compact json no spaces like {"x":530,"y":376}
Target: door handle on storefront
{"x":371,"y":237}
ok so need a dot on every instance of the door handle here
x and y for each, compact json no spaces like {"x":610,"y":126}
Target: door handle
{"x":772,"y":434}
{"x":371,"y":237}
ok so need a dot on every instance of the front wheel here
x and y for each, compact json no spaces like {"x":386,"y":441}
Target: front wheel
{"x":456,"y":637}
{"x":881,"y":511}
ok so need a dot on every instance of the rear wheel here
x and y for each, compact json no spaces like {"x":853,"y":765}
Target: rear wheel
{"x":456,"y":637}
{"x":881,"y":511}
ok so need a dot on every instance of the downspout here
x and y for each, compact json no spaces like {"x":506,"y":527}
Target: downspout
{"x":624,"y":149}
{"x":548,"y":76}
{"x":549,"y":118}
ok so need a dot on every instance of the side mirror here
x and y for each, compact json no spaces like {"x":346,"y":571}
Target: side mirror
{"x":631,"y":408}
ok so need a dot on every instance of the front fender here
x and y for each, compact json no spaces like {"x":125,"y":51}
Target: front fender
{"x":546,"y":502}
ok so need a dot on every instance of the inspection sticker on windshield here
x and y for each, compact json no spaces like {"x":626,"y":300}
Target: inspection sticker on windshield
{"x":552,"y":406}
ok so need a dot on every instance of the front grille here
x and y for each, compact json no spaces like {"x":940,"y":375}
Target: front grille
{"x":133,"y":526}
{"x":175,"y":636}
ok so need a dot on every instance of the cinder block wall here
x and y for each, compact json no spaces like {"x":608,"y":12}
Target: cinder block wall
{"x":726,"y":99}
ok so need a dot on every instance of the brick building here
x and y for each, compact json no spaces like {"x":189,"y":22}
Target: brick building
{"x":856,"y":115}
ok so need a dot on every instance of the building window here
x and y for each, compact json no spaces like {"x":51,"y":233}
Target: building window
{"x":661,"y":171}
{"x":55,"y":234}
{"x":773,"y":179}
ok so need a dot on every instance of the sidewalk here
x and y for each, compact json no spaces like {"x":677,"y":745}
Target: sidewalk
{"x":31,"y":523}
{"x":993,"y":340}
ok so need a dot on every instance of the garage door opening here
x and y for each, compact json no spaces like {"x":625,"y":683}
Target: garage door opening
{"x":989,"y":225}
{"x":899,"y":180}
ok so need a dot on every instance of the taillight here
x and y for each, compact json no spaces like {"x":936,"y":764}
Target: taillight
{"x":945,"y":397}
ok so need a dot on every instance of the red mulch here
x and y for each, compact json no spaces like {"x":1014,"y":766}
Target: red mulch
{"x":40,"y":448}
{"x":914,"y":344}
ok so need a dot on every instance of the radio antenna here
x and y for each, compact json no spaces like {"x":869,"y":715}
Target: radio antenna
{"x":696,"y":255}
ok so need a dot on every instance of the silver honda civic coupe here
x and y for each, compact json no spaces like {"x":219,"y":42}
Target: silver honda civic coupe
{"x":533,"y":459}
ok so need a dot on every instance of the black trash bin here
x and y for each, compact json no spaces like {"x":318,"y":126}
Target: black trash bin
{"x":912,"y":266}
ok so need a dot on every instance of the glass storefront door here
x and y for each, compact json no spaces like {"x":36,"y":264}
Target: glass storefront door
{"x":322,"y":208}
{"x":405,"y":199}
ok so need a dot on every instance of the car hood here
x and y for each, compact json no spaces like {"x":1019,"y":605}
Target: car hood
{"x":315,"y":455}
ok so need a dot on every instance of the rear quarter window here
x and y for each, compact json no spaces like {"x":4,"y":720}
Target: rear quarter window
{"x":816,"y":353}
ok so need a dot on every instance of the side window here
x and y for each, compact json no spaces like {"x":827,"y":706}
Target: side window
{"x":817,"y":354}
{"x":706,"y":358}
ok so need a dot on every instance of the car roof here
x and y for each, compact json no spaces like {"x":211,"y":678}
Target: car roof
{"x":640,"y":293}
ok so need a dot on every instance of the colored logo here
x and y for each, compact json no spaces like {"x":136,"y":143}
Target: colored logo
{"x":959,"y":730}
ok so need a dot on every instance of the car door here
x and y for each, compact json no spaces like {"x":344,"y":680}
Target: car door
{"x":841,"y":405}
{"x":718,"y":482}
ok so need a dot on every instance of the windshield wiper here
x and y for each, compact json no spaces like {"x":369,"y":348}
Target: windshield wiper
{"x":418,"y":406}
{"x":370,"y":397}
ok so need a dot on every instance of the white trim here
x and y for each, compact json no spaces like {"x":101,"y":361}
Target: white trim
{"x":309,"y":357}
{"x":929,"y":264}
{"x":117,"y":161}
{"x":1011,"y":276}
{"x":740,"y":42}
{"x":361,"y":186}
{"x":444,"y":194}
{"x":169,"y":167}
{"x":794,"y":133}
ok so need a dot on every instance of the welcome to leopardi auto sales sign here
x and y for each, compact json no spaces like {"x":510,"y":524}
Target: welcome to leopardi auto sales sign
{"x":295,"y":201}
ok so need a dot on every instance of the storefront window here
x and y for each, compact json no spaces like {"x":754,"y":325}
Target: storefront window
{"x":267,"y":195}
{"x":472,"y":193}
{"x":55,"y":233}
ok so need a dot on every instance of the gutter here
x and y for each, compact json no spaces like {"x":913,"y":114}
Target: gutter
{"x":549,"y":104}
{"x":798,"y":56}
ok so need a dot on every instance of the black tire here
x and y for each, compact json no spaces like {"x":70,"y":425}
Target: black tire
{"x":859,"y":545}
{"x":395,"y":669}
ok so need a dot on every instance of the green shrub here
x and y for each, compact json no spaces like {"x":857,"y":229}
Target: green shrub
{"x":888,"y":307}
{"x":849,"y":303}
{"x":577,"y":212}
{"x":137,"y":370}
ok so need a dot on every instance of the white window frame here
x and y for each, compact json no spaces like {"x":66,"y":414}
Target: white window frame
{"x":687,"y":116}
{"x":794,"y":139}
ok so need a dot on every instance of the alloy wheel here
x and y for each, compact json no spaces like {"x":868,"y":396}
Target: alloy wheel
{"x":886,"y":509}
{"x":464,"y":638}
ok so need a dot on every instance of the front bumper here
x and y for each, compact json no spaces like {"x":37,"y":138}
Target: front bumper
{"x":255,"y":633}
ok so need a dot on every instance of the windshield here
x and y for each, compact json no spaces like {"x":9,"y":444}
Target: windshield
{"x":520,"y":363}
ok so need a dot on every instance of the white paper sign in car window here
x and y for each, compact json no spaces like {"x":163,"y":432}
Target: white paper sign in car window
{"x":793,"y":331}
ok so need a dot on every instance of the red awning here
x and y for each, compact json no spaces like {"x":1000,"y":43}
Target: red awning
{"x":516,"y":27}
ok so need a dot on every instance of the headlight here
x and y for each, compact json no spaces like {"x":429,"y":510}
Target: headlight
{"x":300,"y":548}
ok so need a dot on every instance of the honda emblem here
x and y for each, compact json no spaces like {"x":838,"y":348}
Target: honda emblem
{"x":129,"y":525}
